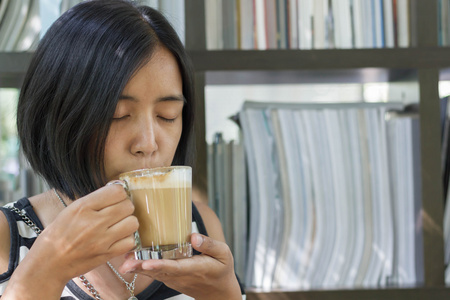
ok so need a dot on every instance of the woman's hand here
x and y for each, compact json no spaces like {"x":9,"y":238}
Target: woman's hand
{"x":86,"y":234}
{"x":91,"y":230}
{"x":206,"y":276}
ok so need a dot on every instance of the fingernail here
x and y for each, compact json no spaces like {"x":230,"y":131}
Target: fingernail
{"x":198,"y":240}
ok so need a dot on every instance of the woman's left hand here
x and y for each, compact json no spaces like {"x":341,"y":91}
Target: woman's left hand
{"x":206,"y":276}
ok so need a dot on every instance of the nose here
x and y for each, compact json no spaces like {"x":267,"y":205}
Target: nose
{"x":145,"y":139}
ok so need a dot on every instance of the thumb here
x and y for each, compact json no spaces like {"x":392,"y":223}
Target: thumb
{"x":210,"y":247}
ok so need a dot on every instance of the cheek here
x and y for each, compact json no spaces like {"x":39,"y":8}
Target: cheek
{"x":173,"y":139}
{"x":110,"y":144}
{"x":112,"y":149}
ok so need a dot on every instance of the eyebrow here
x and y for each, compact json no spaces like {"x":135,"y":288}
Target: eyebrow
{"x":160,"y":99}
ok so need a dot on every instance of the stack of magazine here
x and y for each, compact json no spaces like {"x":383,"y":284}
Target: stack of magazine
{"x":333,"y":195}
{"x":308,"y":24}
{"x":227,"y":188}
{"x":22,"y":22}
{"x":20,"y":25}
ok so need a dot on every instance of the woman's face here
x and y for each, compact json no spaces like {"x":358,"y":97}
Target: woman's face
{"x":147,"y":122}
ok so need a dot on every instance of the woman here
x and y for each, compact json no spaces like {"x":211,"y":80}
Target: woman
{"x":108,"y":90}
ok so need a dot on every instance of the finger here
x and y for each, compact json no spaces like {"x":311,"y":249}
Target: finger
{"x":104,"y":197}
{"x":118,"y":211}
{"x":122,"y":246}
{"x":131,"y":265}
{"x":123,"y":228}
{"x":211,"y":247}
{"x":160,"y":269}
{"x":152,"y":267}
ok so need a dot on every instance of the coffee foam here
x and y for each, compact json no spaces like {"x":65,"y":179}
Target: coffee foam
{"x":172,"y":179}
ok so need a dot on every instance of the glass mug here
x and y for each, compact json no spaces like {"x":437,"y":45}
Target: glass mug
{"x":163,"y":206}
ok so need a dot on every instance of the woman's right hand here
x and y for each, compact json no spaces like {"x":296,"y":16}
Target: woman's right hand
{"x":86,"y":234}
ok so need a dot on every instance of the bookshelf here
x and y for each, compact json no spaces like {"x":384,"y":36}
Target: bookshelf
{"x":421,"y":62}
{"x":12,"y":68}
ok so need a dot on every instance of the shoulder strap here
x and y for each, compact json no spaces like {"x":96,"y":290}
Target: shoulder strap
{"x":27,"y":220}
{"x":199,"y":220}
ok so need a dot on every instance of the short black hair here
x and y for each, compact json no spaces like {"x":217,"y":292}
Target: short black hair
{"x":73,"y":84}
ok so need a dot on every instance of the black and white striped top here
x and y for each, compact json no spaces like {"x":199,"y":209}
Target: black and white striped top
{"x":23,"y":237}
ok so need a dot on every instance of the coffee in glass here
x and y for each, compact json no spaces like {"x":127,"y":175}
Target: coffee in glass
{"x":163,"y":206}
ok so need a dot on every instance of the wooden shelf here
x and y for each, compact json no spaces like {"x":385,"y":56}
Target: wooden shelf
{"x":13,"y":68}
{"x":398,"y":58}
{"x":436,"y":293}
{"x":268,"y":77}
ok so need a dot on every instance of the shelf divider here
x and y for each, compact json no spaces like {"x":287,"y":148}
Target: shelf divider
{"x":432,"y":186}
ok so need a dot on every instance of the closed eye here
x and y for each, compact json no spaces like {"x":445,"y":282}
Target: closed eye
{"x":168,"y":120}
{"x":120,"y":117}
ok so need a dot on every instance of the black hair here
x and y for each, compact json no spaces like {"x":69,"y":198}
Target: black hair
{"x":73,"y":84}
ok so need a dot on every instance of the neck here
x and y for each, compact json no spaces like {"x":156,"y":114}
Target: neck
{"x":61,"y":198}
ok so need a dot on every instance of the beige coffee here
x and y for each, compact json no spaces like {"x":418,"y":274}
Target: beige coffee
{"x":164,"y":215}
{"x":163,"y":206}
